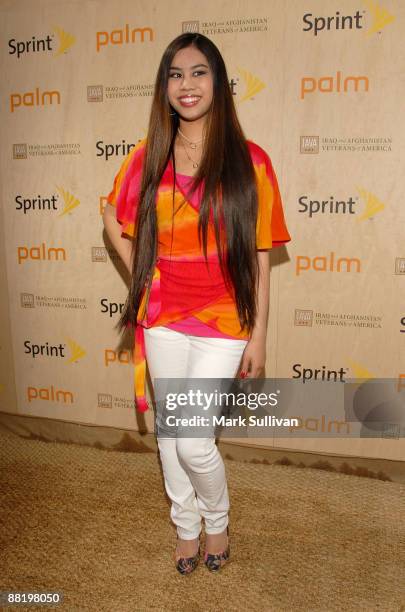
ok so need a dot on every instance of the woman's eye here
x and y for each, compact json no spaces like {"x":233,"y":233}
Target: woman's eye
{"x":178,"y":74}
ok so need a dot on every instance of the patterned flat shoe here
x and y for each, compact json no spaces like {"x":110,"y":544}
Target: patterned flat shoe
{"x":186,"y":565}
{"x":214,"y":562}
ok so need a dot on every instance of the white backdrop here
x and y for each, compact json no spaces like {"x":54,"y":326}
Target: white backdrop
{"x":319,"y":85}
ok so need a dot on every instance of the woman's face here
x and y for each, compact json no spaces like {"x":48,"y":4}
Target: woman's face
{"x":190,"y":84}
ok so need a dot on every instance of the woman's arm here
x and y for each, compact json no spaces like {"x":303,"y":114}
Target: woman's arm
{"x":254,"y":355}
{"x":122,"y":245}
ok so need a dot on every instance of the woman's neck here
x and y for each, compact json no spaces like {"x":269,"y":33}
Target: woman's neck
{"x":192,"y":130}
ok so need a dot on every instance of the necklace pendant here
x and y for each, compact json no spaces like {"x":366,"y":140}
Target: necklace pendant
{"x":193,"y":145}
{"x":195,"y":165}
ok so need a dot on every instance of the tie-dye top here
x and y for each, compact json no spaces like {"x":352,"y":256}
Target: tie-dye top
{"x":186,"y":294}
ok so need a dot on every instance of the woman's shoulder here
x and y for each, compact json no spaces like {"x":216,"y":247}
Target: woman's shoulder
{"x":132,"y":162}
{"x":138,"y":150}
{"x":258,"y":154}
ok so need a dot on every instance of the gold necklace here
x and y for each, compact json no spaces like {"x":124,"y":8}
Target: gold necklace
{"x":193,"y":145}
{"x":195,"y":164}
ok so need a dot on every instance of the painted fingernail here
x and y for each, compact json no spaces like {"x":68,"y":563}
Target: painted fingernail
{"x":242,"y":374}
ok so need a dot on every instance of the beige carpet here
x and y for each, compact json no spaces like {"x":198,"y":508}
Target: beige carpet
{"x":94,"y":524}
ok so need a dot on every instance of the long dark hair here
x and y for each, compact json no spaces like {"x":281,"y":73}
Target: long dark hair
{"x":227,"y":169}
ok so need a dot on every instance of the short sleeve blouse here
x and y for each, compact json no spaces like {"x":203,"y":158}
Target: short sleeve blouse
{"x":184,"y":294}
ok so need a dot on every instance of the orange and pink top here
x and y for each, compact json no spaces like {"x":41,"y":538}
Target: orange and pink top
{"x":187,"y":294}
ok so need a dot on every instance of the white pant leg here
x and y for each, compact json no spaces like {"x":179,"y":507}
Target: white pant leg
{"x":167,"y":357}
{"x":193,"y":465}
{"x":209,"y":358}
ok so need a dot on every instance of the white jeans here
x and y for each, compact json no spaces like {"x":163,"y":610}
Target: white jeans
{"x":193,"y":469}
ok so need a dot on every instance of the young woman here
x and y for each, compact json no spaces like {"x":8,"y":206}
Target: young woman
{"x":201,"y":207}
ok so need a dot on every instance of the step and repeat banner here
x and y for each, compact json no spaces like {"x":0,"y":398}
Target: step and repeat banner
{"x":319,"y":85}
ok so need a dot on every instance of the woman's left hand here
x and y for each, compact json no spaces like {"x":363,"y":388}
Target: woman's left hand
{"x":253,"y":358}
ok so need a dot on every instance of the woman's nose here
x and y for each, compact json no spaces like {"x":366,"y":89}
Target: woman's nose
{"x":186,"y":83}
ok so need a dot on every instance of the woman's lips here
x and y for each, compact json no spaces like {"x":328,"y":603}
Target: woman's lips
{"x":189,"y":100}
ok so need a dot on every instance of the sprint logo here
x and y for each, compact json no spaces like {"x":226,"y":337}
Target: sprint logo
{"x":360,"y":372}
{"x":253,"y":85}
{"x":69,"y":201}
{"x":372,"y":205}
{"x":64,"y":41}
{"x":76,"y":351}
{"x":381,"y":17}
{"x":48,"y":204}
